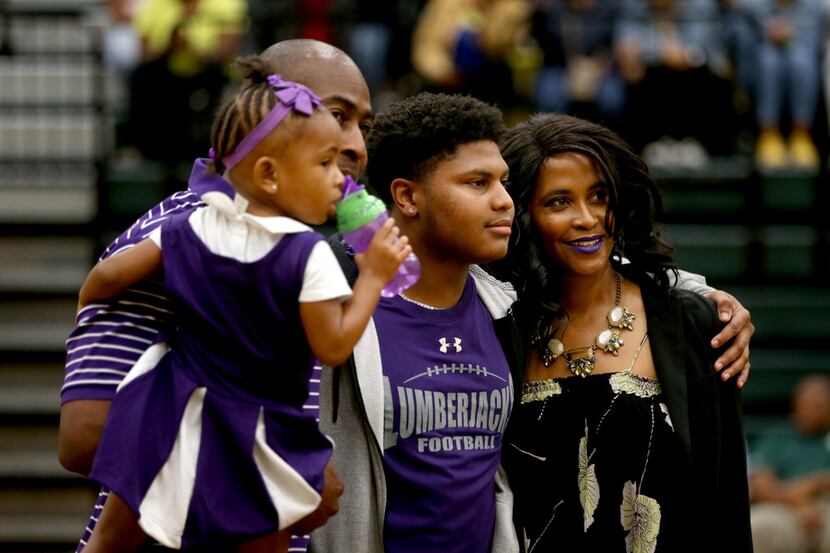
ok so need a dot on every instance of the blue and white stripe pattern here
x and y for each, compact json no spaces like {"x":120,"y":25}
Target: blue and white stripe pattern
{"x":108,"y":338}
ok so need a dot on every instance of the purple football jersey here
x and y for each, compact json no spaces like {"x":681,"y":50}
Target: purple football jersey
{"x":448,"y":396}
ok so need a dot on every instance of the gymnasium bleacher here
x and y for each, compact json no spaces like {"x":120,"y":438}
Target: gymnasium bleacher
{"x":763,"y":238}
{"x":52,"y":136}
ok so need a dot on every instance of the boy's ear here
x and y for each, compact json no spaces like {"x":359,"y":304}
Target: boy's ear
{"x":405,"y":195}
{"x":266,"y":173}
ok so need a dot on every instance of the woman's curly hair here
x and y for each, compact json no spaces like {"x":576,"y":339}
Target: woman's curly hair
{"x":634,"y":206}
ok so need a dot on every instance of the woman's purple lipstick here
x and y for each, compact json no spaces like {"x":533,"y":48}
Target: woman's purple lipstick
{"x":587,"y":245}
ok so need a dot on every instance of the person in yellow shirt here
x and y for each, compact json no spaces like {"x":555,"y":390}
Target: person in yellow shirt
{"x":461,"y":46}
{"x":185,"y":44}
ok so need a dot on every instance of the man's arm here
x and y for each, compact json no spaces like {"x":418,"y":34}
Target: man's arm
{"x":82,"y":420}
{"x":81,"y":424}
{"x":766,"y":487}
{"x":738,"y":326}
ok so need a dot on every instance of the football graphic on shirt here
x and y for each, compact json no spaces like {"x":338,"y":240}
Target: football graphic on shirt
{"x":455,"y":368}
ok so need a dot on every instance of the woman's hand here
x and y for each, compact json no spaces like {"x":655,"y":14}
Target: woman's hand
{"x":735,"y":360}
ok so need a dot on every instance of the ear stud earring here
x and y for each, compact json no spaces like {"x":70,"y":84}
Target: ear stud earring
{"x":273,"y":187}
{"x":410,"y":211}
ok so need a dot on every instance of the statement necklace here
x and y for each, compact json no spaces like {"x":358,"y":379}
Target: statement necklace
{"x":581,"y":361}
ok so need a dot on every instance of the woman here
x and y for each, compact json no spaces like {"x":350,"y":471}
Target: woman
{"x":625,"y":439}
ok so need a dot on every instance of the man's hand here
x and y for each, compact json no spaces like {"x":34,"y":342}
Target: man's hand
{"x":735,"y":360}
{"x":329,"y":504}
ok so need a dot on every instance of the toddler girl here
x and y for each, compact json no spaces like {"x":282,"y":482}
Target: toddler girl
{"x":207,"y":444}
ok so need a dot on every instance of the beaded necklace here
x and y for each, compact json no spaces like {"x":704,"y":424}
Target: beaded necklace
{"x":581,"y":361}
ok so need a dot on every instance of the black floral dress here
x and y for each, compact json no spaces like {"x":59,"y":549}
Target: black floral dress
{"x":595,"y":464}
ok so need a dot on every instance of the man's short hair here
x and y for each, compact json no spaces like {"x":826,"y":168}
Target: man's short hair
{"x":419,"y":132}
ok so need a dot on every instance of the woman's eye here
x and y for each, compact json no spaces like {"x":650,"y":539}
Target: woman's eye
{"x":601,"y":196}
{"x":557,"y":202}
{"x":338,"y":116}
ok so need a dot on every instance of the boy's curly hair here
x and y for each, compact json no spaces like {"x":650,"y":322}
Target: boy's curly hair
{"x":420,"y":131}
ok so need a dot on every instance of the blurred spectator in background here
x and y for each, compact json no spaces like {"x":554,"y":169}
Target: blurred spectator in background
{"x":741,"y":36}
{"x":380,"y":42}
{"x":328,"y":21}
{"x":177,"y":86}
{"x":461,"y":46}
{"x":576,"y":38}
{"x":375,"y":33}
{"x":122,"y":45}
{"x":672,"y":55}
{"x":789,"y":69}
{"x":790,"y":480}
{"x":827,"y":61}
{"x":370,"y":39}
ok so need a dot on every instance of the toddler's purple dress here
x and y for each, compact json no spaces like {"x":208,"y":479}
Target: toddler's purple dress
{"x":211,"y":446}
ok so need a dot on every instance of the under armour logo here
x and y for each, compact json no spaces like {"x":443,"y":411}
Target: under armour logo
{"x":445,"y":345}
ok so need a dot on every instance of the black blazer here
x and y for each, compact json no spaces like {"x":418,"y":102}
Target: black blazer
{"x":706,"y":414}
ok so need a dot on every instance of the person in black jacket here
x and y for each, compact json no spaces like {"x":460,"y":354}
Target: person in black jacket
{"x":625,"y":439}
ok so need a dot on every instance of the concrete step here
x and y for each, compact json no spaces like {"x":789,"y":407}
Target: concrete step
{"x":25,"y":204}
{"x":776,"y":371}
{"x":789,"y":190}
{"x":789,"y":251}
{"x":33,"y":80}
{"x":717,"y":251}
{"x":39,"y":325}
{"x":44,"y":34}
{"x":31,"y":452}
{"x":45,"y":263}
{"x":719,"y":188}
{"x":49,"y":173}
{"x":45,"y":516}
{"x":789,"y":316}
{"x":50,"y":136}
{"x":30,"y":389}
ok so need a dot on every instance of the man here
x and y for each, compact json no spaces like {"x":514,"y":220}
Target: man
{"x":108,"y":341}
{"x":337,"y":80}
{"x":97,"y":365}
{"x":420,"y":409}
{"x":790,"y":480}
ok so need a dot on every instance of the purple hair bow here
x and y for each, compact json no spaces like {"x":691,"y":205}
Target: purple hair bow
{"x":290,"y":96}
{"x":296,"y":95}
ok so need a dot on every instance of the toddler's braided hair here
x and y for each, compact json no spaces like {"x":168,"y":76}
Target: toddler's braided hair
{"x":243,"y":112}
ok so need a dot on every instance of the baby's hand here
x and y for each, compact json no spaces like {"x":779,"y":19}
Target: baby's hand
{"x":385,"y":253}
